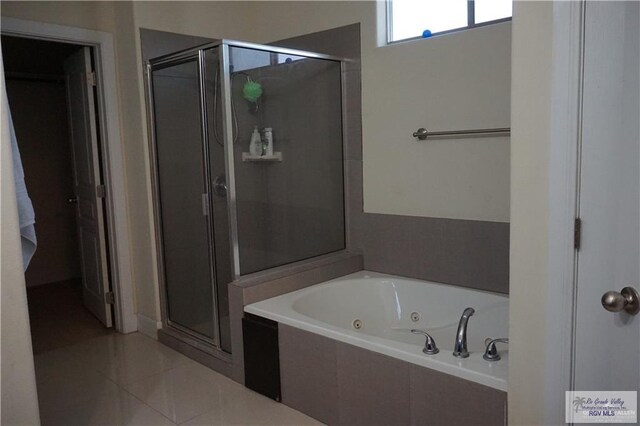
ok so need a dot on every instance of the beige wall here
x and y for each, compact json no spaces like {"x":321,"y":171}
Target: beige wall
{"x":457,"y":81}
{"x":530,"y":142}
{"x":211,"y":19}
{"x":83,"y":14}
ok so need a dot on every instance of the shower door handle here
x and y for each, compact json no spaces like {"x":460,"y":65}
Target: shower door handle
{"x":205,"y":204}
{"x":220,"y":186}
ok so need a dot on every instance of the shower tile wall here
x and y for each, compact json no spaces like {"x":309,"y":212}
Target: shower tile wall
{"x":461,"y":252}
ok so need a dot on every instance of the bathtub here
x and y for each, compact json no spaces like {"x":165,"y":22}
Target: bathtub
{"x":376,"y":312}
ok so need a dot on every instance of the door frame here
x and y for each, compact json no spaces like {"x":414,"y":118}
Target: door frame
{"x":564,"y":195}
{"x":111,"y":148}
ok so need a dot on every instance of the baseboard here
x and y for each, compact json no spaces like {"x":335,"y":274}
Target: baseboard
{"x":148,"y":327}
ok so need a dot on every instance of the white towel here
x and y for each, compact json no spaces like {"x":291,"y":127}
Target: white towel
{"x":26,"y":215}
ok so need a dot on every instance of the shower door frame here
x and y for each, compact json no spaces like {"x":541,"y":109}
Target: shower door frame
{"x":198,"y":53}
{"x":225,"y":72}
{"x":176,"y":59}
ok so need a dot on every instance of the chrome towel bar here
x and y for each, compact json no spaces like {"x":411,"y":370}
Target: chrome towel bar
{"x":423,"y":134}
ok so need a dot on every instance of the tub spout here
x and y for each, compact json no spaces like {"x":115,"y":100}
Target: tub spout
{"x":460,"y":348}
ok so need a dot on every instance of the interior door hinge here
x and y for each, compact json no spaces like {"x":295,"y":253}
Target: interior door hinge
{"x":577,"y":233}
{"x":109,"y":298}
{"x":91,"y":78}
{"x":101,"y":191}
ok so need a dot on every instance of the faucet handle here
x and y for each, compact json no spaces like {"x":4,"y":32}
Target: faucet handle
{"x":491,"y":353}
{"x":430,"y":347}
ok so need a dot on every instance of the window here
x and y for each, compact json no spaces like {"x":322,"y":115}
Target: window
{"x":408,"y":19}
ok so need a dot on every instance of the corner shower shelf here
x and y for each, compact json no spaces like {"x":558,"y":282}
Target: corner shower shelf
{"x":276,"y":157}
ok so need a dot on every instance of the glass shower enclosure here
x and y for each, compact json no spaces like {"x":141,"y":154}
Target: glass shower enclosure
{"x":247,"y":167}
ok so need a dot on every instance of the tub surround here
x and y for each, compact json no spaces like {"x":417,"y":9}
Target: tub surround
{"x":285,"y":279}
{"x":384,"y":305}
{"x":289,"y":278}
{"x":340,"y":384}
{"x":377,"y":374}
{"x":465,"y":253}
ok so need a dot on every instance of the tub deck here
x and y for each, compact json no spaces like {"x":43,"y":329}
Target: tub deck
{"x":385,"y":307}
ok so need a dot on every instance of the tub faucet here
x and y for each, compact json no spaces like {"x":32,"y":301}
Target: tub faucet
{"x":460,"y":348}
{"x":491,"y":353}
{"x":430,"y":347}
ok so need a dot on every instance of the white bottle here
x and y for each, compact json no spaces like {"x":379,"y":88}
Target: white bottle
{"x":268,"y":141}
{"x":255,"y":146}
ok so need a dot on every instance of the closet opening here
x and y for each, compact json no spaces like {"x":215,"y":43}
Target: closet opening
{"x":53,"y":98}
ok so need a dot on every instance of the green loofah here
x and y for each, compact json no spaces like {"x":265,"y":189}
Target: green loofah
{"x":252,"y":91}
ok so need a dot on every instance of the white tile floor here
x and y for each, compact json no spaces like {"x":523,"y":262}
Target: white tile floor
{"x":134,"y":380}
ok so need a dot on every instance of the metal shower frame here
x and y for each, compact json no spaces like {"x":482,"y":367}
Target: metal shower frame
{"x":197,"y":53}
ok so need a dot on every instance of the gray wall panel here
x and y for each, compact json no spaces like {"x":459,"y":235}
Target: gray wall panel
{"x":446,"y":400}
{"x":373,"y":388}
{"x":465,"y":253}
{"x":306,"y":359}
{"x":338,"y":383}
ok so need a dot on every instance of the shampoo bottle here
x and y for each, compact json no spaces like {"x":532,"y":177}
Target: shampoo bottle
{"x":268,"y":142}
{"x":255,"y":146}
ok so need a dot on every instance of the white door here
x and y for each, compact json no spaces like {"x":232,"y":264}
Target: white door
{"x":607,"y":356}
{"x":89,"y":197}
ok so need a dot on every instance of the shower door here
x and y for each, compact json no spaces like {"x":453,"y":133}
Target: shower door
{"x":183,"y":197}
{"x":289,"y":207}
{"x":219,"y":214}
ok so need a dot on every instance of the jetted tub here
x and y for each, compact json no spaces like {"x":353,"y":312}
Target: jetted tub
{"x":376,"y":312}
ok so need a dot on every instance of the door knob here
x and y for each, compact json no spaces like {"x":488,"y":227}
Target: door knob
{"x":72,"y":200}
{"x":627,"y":300}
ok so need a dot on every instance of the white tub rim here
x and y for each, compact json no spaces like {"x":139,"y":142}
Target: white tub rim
{"x":474,"y":368}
